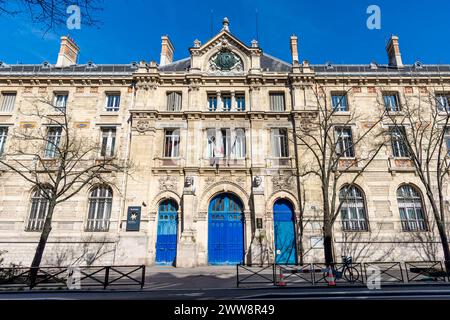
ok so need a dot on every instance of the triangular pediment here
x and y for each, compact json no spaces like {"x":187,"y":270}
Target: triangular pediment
{"x":222,"y":38}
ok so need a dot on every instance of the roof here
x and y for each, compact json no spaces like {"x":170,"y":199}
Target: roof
{"x":268,"y":63}
{"x":379,"y":70}
{"x":80,"y":69}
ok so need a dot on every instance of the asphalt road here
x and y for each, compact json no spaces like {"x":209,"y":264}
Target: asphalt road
{"x":408,"y":292}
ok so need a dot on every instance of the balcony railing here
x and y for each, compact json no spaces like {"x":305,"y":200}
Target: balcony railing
{"x":414,"y":225}
{"x":35,"y":225}
{"x":354,"y":225}
{"x":279,"y":162}
{"x":97,"y":225}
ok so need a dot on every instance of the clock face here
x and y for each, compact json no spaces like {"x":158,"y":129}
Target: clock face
{"x":225,"y":60}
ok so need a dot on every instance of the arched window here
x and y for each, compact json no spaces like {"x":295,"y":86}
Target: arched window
{"x":353,"y":209}
{"x":411,"y":209}
{"x":39,"y":210}
{"x":100,"y":201}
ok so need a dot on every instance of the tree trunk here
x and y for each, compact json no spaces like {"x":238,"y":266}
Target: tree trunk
{"x":328,"y":244}
{"x":35,"y":264}
{"x":444,"y":243}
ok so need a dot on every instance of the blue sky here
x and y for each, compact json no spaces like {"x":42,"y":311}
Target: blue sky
{"x":328,"y":30}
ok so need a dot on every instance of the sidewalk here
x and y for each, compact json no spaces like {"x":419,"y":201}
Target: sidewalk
{"x":207,"y":277}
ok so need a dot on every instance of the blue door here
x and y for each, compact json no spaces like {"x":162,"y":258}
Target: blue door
{"x":225,"y":230}
{"x":284,"y":230}
{"x":166,"y":239}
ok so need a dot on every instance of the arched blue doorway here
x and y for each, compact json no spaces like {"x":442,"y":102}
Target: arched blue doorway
{"x":225,"y":230}
{"x":166,"y":239}
{"x":284,"y":231}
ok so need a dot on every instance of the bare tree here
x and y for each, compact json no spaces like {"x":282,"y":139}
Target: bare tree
{"x":58,"y":161}
{"x":51,"y":13}
{"x":421,"y":128}
{"x":90,"y":250}
{"x":333,"y":158}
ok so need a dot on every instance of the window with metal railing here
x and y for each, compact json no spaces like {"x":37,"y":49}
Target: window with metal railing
{"x":39,"y":210}
{"x":100,"y":205}
{"x":411,"y":209}
{"x":3,"y":135}
{"x":53,"y":141}
{"x":353,"y":209}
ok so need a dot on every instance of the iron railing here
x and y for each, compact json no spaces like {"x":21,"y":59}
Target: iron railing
{"x":348,"y":274}
{"x":105,"y":277}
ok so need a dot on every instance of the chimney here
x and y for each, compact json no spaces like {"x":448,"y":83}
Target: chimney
{"x":393,"y":51}
{"x":294,"y":49}
{"x":68,"y":53}
{"x":167,"y":50}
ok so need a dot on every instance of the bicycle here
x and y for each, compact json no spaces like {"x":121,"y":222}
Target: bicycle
{"x":350,"y":273}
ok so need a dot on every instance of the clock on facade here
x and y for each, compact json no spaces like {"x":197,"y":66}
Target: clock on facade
{"x":225,"y":60}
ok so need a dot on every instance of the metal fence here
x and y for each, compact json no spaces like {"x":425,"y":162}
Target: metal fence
{"x":349,"y":274}
{"x":94,"y":277}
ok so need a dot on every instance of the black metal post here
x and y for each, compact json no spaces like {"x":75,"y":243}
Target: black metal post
{"x":106,"y":278}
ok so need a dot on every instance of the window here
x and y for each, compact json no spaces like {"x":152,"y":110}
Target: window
{"x":212,"y":102}
{"x":344,"y":142}
{"x":240,"y":101}
{"x":443,"y":101}
{"x":3,"y":135}
{"x":172,"y":143}
{"x":280,"y":143}
{"x":225,"y":142}
{"x":353,"y":209}
{"x":339,"y":102}
{"x":174,"y":101}
{"x":391,"y":102}
{"x":277,"y":101}
{"x":226,"y":102}
{"x":112,"y":102}
{"x":399,"y":147}
{"x":411,"y":210}
{"x":100,"y":202}
{"x":239,"y":144}
{"x":39,"y":210}
{"x":447,"y":139}
{"x":8,"y":101}
{"x":108,"y":142}
{"x":53,"y":140}
{"x":61,"y":101}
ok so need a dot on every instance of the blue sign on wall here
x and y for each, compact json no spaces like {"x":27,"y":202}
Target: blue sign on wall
{"x":133,"y":218}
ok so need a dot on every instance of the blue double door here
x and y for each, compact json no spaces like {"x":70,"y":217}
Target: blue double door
{"x":225,"y":230}
{"x":284,"y":232}
{"x":166,"y":239}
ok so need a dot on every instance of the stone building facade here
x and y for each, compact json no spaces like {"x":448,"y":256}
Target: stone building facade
{"x":215,"y":158}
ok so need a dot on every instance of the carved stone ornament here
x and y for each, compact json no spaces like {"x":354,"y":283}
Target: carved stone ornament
{"x":282,"y":182}
{"x":143,"y":125}
{"x":209,"y":181}
{"x":225,"y":61}
{"x":257,"y":180}
{"x":189,"y":182}
{"x":167,"y":183}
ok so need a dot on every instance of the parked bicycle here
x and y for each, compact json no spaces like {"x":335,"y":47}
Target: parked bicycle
{"x":350,"y":273}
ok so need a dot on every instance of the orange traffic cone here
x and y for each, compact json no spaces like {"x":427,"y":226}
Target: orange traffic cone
{"x":330,"y":277}
{"x":281,"y":283}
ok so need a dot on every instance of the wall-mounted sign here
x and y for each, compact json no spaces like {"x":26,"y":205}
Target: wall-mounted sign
{"x":133,"y":218}
{"x":316,"y":242}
